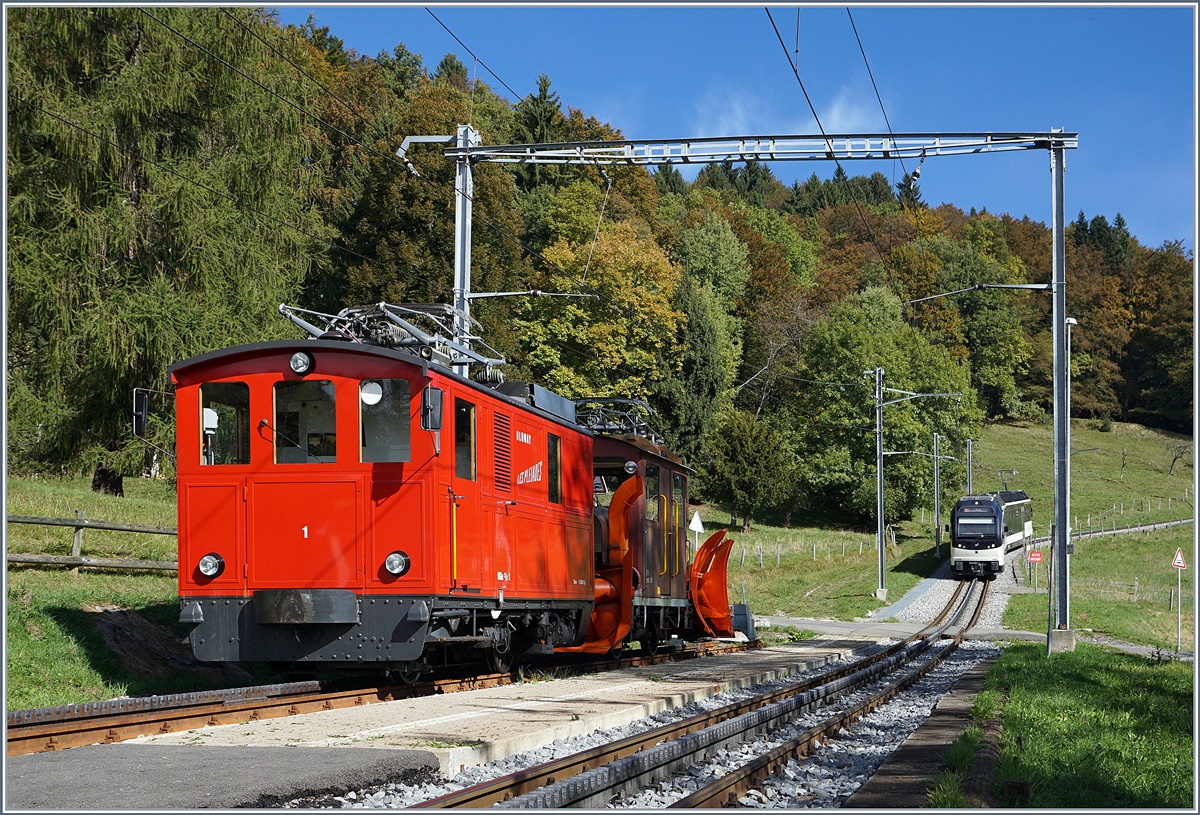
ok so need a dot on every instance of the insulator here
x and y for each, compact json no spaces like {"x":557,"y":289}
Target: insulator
{"x":489,"y":376}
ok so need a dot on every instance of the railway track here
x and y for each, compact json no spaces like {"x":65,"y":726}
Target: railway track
{"x":595,"y":777}
{"x":57,"y":728}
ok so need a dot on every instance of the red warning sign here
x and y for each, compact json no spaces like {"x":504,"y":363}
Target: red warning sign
{"x":1178,"y":561}
{"x":1035,"y":557}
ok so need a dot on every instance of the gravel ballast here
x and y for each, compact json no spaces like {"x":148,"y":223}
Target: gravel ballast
{"x":823,"y":780}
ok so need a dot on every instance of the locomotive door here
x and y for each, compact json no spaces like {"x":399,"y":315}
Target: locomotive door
{"x":678,"y":547}
{"x":657,"y":540}
{"x":465,"y":503}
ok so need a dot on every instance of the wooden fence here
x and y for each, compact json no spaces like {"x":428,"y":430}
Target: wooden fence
{"x":76,"y":559}
{"x":1136,"y":592}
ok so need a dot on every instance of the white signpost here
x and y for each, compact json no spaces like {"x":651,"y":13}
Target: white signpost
{"x":1179,"y":565}
{"x":696,"y":527}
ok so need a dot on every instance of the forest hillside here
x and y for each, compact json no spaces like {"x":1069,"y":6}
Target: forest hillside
{"x":174,"y":174}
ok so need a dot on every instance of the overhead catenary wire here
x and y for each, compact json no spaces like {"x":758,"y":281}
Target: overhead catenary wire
{"x":516,"y":96}
{"x":873,"y":85}
{"x":824,"y":135}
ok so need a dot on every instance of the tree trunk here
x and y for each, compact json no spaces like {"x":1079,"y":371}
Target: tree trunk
{"x":108,"y":481}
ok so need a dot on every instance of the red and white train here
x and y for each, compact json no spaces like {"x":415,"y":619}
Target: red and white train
{"x":349,"y":500}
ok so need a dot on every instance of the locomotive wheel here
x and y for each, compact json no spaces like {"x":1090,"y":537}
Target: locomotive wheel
{"x":406,"y":677}
{"x":500,"y":663}
{"x":649,"y":640}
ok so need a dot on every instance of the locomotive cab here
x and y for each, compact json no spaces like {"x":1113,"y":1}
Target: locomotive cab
{"x":350,"y":501}
{"x":347,"y":504}
{"x":641,"y":496}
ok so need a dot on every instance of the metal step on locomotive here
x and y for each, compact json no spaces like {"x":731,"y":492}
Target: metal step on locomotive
{"x":377,"y":495}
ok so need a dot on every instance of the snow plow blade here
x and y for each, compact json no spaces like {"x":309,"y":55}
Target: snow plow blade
{"x":708,"y":586}
{"x":612,"y":613}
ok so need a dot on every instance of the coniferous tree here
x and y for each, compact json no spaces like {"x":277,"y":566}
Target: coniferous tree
{"x":689,"y":398}
{"x":750,"y":465}
{"x":452,"y":71}
{"x":670,"y":181}
{"x":539,"y":120}
{"x":157,"y":209}
{"x":909,"y":192}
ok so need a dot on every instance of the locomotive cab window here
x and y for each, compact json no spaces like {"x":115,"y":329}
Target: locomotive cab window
{"x":678,"y":497}
{"x":464,"y":439}
{"x":305,"y":422}
{"x":225,"y":423}
{"x":608,"y":475}
{"x":652,"y":492}
{"x":384,"y":406}
{"x":554,"y":467}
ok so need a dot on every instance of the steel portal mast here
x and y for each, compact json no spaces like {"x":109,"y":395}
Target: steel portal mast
{"x":464,"y":148}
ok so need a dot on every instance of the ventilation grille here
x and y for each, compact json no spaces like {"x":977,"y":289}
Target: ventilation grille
{"x":503,"y":452}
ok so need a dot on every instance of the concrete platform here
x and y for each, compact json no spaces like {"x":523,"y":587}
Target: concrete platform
{"x":143,"y":777}
{"x":237,"y":765}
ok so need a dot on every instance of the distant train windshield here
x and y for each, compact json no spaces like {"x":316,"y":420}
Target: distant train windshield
{"x":975,"y":526}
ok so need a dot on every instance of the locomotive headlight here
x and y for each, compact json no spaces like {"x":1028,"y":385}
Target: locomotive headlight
{"x":301,"y":362}
{"x":397,"y":563}
{"x":631,"y":467}
{"x":211,"y":565}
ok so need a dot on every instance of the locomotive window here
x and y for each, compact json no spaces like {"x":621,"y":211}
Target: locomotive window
{"x":652,"y":492}
{"x":464,"y":439}
{"x":678,"y":497}
{"x":554,"y":466}
{"x":225,"y":423}
{"x":385,"y":419}
{"x":305,"y":426}
{"x":608,"y":475}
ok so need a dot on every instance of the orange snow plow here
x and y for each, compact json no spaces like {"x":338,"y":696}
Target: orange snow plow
{"x":708,"y":586}
{"x":612,"y":614}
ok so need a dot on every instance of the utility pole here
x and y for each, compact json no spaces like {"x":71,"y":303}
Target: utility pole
{"x":464,"y":184}
{"x":1061,"y":637}
{"x":937,"y":498}
{"x":970,"y":444}
{"x":881,"y":591}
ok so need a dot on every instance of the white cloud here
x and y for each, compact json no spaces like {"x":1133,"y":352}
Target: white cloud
{"x":729,"y":111}
{"x":725,"y":110}
{"x":853,"y":111}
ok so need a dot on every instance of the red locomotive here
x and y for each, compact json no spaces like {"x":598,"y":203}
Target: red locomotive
{"x":350,"y":500}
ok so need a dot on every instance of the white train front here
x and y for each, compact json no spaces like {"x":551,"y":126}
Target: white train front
{"x":985,"y":528}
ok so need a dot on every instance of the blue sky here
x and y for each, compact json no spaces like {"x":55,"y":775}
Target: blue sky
{"x":1123,"y":78}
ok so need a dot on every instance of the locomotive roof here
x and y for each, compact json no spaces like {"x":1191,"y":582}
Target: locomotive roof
{"x":302,"y":344}
{"x":646,"y":446}
{"x":406,"y":357}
